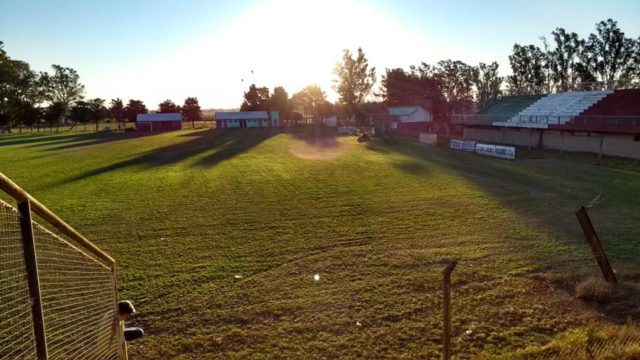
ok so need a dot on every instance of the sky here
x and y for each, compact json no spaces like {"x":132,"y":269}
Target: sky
{"x":213,"y":50}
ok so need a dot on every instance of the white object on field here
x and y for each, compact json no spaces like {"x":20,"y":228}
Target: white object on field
{"x":316,"y":277}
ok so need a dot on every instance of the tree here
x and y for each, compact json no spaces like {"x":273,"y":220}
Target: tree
{"x":63,"y":86}
{"x":562,"y":60}
{"x":97,"y":111}
{"x":456,"y":83}
{"x":355,"y":80}
{"x":487,"y":81}
{"x":54,"y":113}
{"x":256,"y":99}
{"x":116,"y":111}
{"x":19,"y":90}
{"x":418,"y":86}
{"x":311,"y":102}
{"x":133,"y":108}
{"x":167,"y":107}
{"x":191,"y":110}
{"x":279,"y":101}
{"x":80,"y":112}
{"x":612,"y":54}
{"x":527,"y":65}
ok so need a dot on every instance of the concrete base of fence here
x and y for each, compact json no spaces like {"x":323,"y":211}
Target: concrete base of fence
{"x":602,"y":144}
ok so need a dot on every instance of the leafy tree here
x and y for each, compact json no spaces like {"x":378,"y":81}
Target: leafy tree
{"x":167,"y":107}
{"x":63,"y":86}
{"x":563,"y":59}
{"x":487,"y":81}
{"x":191,"y":110}
{"x":80,"y":112}
{"x":18,"y":86}
{"x":456,"y":83}
{"x":54,"y":113}
{"x":612,"y":53}
{"x":97,"y":111}
{"x":311,"y":102}
{"x":256,"y":99}
{"x":116,"y":111}
{"x":527,"y":65}
{"x":21,"y":112}
{"x":418,"y":86}
{"x":279,"y":101}
{"x":355,"y":80}
{"x":133,"y":108}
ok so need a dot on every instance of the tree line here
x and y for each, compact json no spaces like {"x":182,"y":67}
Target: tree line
{"x":29,"y":98}
{"x":606,"y":59}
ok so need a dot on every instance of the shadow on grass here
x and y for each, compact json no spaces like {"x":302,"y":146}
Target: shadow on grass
{"x":546,"y":192}
{"x":225,"y":144}
{"x":93,"y":139}
{"x":43,"y":138}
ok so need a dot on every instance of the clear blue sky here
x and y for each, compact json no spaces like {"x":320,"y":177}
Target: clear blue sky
{"x":153,"y":50}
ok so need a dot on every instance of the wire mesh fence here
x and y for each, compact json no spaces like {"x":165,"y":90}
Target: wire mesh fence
{"x":77,"y":292}
{"x":16,"y":331}
{"x":596,"y":346}
{"x":78,"y":297}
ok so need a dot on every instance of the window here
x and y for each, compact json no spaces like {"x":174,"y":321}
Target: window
{"x":394,"y":124}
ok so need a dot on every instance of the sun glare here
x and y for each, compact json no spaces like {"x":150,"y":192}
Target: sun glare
{"x":275,"y":43}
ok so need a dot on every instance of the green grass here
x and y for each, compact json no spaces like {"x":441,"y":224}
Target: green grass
{"x":184,"y":212}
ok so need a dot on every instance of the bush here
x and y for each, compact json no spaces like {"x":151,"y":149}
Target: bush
{"x":596,"y":289}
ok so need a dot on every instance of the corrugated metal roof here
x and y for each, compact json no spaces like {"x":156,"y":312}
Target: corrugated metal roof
{"x":242,"y":115}
{"x":159,"y":117}
{"x":402,"y":111}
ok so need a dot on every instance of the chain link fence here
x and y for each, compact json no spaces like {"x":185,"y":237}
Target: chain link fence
{"x":16,"y":331}
{"x":76,"y":293}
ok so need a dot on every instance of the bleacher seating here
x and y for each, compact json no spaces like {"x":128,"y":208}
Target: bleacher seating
{"x":617,"y":113}
{"x":510,"y":105}
{"x":554,"y":109}
{"x":500,"y":110}
{"x":620,"y":103}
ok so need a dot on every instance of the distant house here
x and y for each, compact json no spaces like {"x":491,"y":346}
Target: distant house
{"x":405,"y":120}
{"x":331,"y":121}
{"x":247,"y":119}
{"x":159,"y":122}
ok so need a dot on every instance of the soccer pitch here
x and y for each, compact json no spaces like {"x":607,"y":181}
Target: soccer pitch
{"x":219,"y":236}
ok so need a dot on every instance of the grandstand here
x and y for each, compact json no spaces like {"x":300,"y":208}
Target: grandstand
{"x":602,"y":122}
{"x":510,"y":105}
{"x":616,"y":113}
{"x":558,"y":109}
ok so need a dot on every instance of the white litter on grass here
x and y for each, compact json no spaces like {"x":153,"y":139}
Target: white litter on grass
{"x":162,"y":238}
{"x":358,"y":323}
{"x":238,"y":276}
{"x":469,"y":332}
{"x":316,"y":277}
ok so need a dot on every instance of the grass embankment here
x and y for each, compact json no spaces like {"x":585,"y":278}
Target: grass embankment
{"x":185,"y":212}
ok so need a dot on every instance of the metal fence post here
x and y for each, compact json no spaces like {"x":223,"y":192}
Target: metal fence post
{"x":446,"y":306}
{"x":596,"y":246}
{"x":31,"y":265}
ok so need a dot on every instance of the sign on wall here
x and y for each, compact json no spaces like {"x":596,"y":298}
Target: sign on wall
{"x":456,"y":144}
{"x":504,"y":152}
{"x":428,"y":138}
{"x":463,"y":145}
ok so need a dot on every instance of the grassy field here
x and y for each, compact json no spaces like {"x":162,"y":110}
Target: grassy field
{"x":185,"y":212}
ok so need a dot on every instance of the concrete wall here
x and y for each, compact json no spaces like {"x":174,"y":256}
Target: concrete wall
{"x":608,"y":144}
{"x":621,"y":145}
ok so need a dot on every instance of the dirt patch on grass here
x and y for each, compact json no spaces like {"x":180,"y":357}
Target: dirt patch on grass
{"x":320,"y":149}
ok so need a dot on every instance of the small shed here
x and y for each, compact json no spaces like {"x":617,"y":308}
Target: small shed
{"x":159,"y":122}
{"x":405,"y":120}
{"x":331,"y":121}
{"x":247,"y":119}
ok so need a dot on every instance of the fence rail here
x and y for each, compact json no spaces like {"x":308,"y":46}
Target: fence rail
{"x":57,"y":289}
{"x":592,"y":123}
